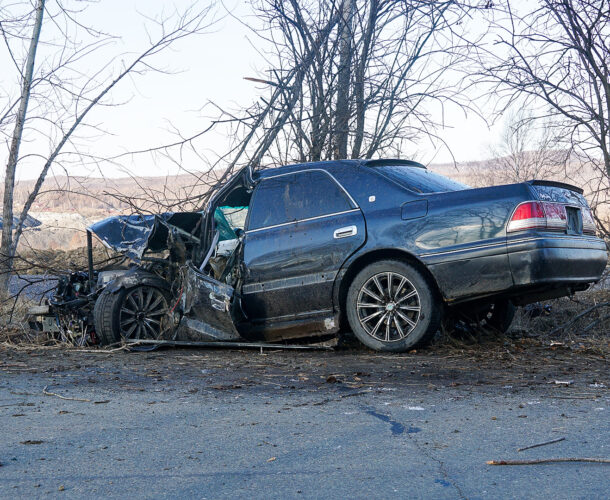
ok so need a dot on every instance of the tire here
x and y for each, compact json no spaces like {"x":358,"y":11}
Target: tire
{"x":501,"y":316}
{"x":102,"y":318}
{"x":401,"y":316}
{"x":140,"y":312}
{"x":492,"y":318}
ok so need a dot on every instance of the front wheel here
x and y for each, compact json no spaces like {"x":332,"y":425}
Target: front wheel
{"x":392,"y":307}
{"x":137,"y":313}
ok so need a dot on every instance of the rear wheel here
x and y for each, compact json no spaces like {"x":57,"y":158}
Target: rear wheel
{"x":141,"y":312}
{"x":492,"y":318}
{"x":392,"y":307}
{"x":501,"y":316}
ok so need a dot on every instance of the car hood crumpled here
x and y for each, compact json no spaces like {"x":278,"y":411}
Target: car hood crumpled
{"x":132,"y":235}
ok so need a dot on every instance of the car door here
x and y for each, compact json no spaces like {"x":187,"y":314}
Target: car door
{"x":301,"y":228}
{"x":208,"y":308}
{"x":211,"y":306}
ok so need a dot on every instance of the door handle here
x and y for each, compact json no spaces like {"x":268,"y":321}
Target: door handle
{"x":345,"y":232}
{"x":219,"y":302}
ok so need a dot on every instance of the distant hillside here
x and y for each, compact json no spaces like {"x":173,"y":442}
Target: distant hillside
{"x":93,"y":196}
{"x":69,"y":205}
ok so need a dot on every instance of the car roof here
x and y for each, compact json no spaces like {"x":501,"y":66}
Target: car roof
{"x":332,"y":164}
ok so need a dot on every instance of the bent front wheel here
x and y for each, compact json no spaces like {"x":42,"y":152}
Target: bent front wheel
{"x":137,"y":313}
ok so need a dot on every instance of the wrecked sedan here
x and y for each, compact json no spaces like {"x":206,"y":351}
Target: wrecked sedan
{"x":384,"y":248}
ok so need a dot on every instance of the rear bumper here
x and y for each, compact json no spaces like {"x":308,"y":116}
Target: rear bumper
{"x":559,"y":259}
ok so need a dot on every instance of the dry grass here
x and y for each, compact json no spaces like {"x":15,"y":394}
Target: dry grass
{"x":569,"y":318}
{"x":580,"y":323}
{"x":16,"y":337}
{"x":14,"y":329}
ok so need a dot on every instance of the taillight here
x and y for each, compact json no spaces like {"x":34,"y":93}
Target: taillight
{"x":539,"y":215}
{"x":549,"y":216}
{"x":588,"y":222}
{"x":556,"y":216}
{"x":528,"y":215}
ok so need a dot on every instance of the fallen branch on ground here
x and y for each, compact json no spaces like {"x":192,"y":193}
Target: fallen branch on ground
{"x":548,"y":461}
{"x":47,"y":393}
{"x":593,"y":324}
{"x":541,"y":444}
{"x":578,"y":316}
{"x":123,"y":347}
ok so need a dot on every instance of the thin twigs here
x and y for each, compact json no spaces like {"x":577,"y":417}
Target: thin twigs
{"x":548,"y":461}
{"x":578,"y":316}
{"x":47,"y":393}
{"x":541,"y":444}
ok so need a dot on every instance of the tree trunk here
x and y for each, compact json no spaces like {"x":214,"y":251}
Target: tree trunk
{"x":348,"y":8}
{"x":7,"y":251}
{"x":360,"y":74}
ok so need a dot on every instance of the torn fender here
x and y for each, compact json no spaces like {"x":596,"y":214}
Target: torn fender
{"x":134,"y":277}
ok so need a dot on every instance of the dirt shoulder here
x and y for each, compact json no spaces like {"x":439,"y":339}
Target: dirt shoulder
{"x":558,"y":371}
{"x":241,"y":423}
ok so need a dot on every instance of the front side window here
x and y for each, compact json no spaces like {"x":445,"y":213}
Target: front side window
{"x":294,"y":197}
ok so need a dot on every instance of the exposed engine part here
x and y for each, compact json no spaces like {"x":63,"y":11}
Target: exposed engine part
{"x":105,"y":277}
{"x":68,"y":314}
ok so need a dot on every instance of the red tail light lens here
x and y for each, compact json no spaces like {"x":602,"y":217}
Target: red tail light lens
{"x":556,"y":216}
{"x":548,"y":216}
{"x":528,"y":215}
{"x":588,"y":222}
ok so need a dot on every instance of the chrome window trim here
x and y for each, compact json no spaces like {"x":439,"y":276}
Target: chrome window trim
{"x":301,"y":220}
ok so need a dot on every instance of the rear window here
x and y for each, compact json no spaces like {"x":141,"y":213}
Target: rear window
{"x":420,"y":180}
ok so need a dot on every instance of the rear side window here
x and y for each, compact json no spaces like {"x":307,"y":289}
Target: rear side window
{"x":295,"y":197}
{"x":420,"y":180}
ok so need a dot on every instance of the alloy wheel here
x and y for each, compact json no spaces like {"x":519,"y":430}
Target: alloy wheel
{"x":388,"y":307}
{"x":144,"y":314}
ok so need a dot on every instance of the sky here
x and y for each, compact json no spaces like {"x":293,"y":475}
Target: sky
{"x":205,"y":68}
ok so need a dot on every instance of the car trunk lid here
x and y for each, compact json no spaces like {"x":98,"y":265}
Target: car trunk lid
{"x":562,"y":208}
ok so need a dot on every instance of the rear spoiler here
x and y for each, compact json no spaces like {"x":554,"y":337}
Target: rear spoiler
{"x":392,"y":163}
{"x":556,"y":184}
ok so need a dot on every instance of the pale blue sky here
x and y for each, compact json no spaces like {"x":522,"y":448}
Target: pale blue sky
{"x":208,"y":67}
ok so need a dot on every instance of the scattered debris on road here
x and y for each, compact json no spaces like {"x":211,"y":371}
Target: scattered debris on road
{"x":48,"y":393}
{"x":548,"y":461}
{"x":552,"y":441}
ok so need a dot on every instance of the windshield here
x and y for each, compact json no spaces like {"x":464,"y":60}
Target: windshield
{"x":420,"y":180}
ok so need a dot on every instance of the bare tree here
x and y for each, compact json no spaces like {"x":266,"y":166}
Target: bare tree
{"x":63,"y":102}
{"x":524,"y":152}
{"x":346,"y":38}
{"x":11,"y":167}
{"x":553,"y":56}
{"x":344,"y":79}
{"x":378,"y":80}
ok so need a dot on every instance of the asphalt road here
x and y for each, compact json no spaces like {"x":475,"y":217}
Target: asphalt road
{"x":241,"y":424}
